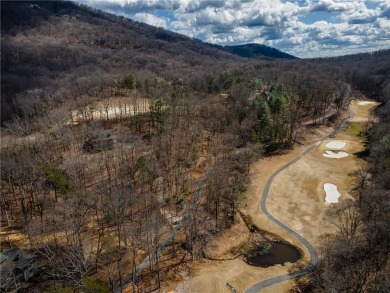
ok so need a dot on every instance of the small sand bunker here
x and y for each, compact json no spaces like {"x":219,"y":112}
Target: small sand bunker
{"x":336,"y":144}
{"x":335,"y":155}
{"x":332,"y":194}
{"x":364,"y":103}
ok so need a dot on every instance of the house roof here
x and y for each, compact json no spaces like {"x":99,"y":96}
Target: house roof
{"x":12,"y":253}
{"x":24,"y":261}
{"x":7,"y":265}
{"x":3,"y":257}
{"x":14,"y":258}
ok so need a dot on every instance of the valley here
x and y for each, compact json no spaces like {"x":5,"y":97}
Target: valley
{"x":135,"y":159}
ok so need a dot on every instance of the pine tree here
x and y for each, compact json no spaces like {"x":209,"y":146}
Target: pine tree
{"x":130,"y":81}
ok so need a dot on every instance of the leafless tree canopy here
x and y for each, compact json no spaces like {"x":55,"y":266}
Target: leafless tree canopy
{"x":185,"y":121}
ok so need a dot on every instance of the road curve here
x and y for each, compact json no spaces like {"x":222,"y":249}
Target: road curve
{"x":313,"y":255}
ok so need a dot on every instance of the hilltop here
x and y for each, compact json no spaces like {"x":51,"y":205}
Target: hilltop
{"x":257,"y":51}
{"x":47,"y":41}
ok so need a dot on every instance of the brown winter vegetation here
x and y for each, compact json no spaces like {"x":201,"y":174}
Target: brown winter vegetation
{"x":127,"y":148}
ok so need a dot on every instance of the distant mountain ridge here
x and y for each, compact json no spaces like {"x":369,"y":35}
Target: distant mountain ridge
{"x":257,"y":51}
{"x":29,"y":13}
{"x":52,"y":44}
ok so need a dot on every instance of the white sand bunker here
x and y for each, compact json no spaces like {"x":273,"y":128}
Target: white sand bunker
{"x":336,"y":144}
{"x":364,"y":103}
{"x":335,"y":155}
{"x":332,"y":194}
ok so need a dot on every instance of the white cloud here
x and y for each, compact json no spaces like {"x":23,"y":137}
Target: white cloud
{"x":332,"y":5}
{"x":337,"y":27}
{"x":151,"y":19}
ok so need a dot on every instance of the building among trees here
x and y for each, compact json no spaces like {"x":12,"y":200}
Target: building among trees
{"x":15,"y":265}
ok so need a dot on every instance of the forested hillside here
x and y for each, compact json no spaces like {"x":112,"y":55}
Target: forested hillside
{"x":367,"y":72}
{"x":356,"y":259}
{"x":256,"y":51}
{"x":43,"y":42}
{"x":120,"y":139}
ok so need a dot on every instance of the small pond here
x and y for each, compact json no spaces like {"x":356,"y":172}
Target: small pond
{"x":272,"y":253}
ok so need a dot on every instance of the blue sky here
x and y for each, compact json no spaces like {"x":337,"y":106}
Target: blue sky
{"x":304,"y":28}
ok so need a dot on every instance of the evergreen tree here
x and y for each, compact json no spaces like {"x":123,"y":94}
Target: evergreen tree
{"x":264,"y":121}
{"x":130,"y":81}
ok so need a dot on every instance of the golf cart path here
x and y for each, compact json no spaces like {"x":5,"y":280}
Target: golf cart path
{"x":263,"y":205}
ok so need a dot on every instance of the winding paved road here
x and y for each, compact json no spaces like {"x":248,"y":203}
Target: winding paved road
{"x":313,"y":255}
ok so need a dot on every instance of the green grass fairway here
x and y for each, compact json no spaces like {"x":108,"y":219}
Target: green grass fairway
{"x":354,"y":129}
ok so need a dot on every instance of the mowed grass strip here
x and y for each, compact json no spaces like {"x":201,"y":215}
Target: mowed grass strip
{"x":354,"y":129}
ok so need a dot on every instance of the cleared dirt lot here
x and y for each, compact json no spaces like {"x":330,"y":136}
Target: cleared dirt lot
{"x":297,"y":198}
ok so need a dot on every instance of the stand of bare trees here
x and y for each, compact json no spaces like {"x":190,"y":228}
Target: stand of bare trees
{"x":356,"y":259}
{"x":158,"y":129}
